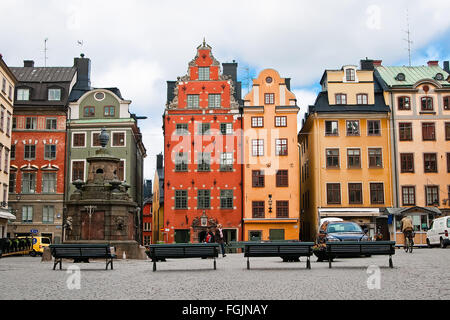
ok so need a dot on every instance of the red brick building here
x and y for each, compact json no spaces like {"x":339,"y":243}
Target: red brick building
{"x":147,"y":215}
{"x":202,"y":140}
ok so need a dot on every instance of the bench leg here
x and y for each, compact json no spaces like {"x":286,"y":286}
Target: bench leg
{"x":248,"y":263}
{"x":391,"y":265}
{"x":329,"y":261}
{"x":154,"y":265}
{"x":214,"y":263}
{"x":308,"y":263}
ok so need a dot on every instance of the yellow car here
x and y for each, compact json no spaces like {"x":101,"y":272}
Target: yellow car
{"x":39,"y":243}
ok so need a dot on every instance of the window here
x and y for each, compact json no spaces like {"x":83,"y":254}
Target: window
{"x":448,"y":163}
{"x":193,"y":100}
{"x":404,"y":103}
{"x":54,"y":94}
{"x":447,"y":131}
{"x":407,"y":162}
{"x":13,"y":152}
{"x":204,"y":199}
{"x":214,"y":100}
{"x":353,"y":158}
{"x":282,"y":178}
{"x":257,"y":178}
{"x":355,"y":193}
{"x":341,"y":98}
{"x":281,"y":147}
{"x":373,"y":127}
{"x":226,"y":161}
{"x":430,"y":162}
{"x":447,"y":103}
{"x":30,"y":152}
{"x":31,"y":123}
{"x":147,"y":226}
{"x":226,"y":128}
{"x":203,"y":129}
{"x":96,"y":139}
{"x":376,"y":193}
{"x":6,"y":169}
{"x":257,"y":122}
{"x":258,"y":209}
{"x":89,"y":112}
{"x":77,"y":170}
{"x":281,"y":121}
{"x":333,"y":193}
{"x":49,"y":152}
{"x":204,"y":161}
{"x":282,"y":209}
{"x":8,"y":124}
{"x":121,"y":170}
{"x":258,"y":147}
{"x":182,"y":129}
{"x":28,"y":182}
{"x":50,"y":124}
{"x":375,"y":158}
{"x":23,"y":94}
{"x":427,"y":103}
{"x":79,"y":140}
{"x":409,"y":196}
{"x":269,"y":98}
{"x":109,"y":111}
{"x":203,"y":73}
{"x":405,"y":131}
{"x":432,"y":195}
{"x":181,"y":162}
{"x":118,"y":139}
{"x":332,"y":158}
{"x":353,"y":127}
{"x":14,"y":123}
{"x":428,"y":131}
{"x":12,"y":182}
{"x":4,"y":85}
{"x":2,"y":119}
{"x":181,"y":199}
{"x":48,"y":182}
{"x":362,"y":98}
{"x":226,"y":199}
{"x":331,"y":128}
{"x":27,"y":214}
{"x":350,"y":74}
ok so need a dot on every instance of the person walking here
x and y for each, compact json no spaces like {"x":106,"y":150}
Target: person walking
{"x":220,"y":239}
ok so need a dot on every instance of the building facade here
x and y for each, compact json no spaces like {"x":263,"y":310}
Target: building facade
{"x":147,"y":213}
{"x":36,"y":190}
{"x":202,"y":167}
{"x":346,"y":152}
{"x":271,"y":188}
{"x":419,"y":97}
{"x":158,"y":230}
{"x":8,"y":83}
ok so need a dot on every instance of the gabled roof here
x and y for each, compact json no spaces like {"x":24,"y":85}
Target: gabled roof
{"x":41,"y":74}
{"x":412,"y":75}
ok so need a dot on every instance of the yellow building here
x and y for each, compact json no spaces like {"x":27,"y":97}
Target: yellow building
{"x":271,"y":187}
{"x":7,"y":84}
{"x":345,"y":152}
{"x":158,"y":203}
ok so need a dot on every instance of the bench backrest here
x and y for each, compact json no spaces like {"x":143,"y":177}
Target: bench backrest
{"x":183,"y":251}
{"x":365,"y":247}
{"x":71,"y":251}
{"x":277,"y":249}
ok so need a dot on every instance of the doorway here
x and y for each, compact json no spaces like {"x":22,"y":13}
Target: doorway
{"x":182,"y":236}
{"x":202,"y":236}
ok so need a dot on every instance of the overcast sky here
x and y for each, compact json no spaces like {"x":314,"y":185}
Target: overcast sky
{"x":138,"y":45}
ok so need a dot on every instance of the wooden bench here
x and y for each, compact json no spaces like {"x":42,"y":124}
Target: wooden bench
{"x":81,"y":253}
{"x":182,"y":250}
{"x":360,"y":248}
{"x":284,"y":250}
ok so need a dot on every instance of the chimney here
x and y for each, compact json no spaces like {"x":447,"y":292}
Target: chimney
{"x":159,"y":161}
{"x":170,"y":90}
{"x":377,"y":63}
{"x":446,"y":67}
{"x":367,"y":64}
{"x":432,"y":63}
{"x":230,"y":69}
{"x":83,"y":66}
{"x":287,"y":82}
{"x":28,"y":63}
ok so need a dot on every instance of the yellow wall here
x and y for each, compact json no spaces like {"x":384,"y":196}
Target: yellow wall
{"x":270,"y":163}
{"x":336,"y":85}
{"x":158,"y":212}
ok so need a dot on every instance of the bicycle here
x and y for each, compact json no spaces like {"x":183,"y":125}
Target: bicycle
{"x":409,"y":242}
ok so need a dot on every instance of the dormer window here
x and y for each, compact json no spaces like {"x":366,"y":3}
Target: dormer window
{"x":350,"y":74}
{"x":400,"y":77}
{"x":439,"y":77}
{"x":23,"y":94}
{"x":341,"y":98}
{"x":203,"y":73}
{"x":54,"y":94}
{"x":362,"y":98}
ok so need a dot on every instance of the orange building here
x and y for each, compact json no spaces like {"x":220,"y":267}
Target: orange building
{"x":271,"y":172}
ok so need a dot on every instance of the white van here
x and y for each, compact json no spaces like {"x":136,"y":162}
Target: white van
{"x":438,"y":232}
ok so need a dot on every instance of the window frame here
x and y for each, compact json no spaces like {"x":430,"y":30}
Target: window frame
{"x":332,"y":157}
{"x":282,"y":178}
{"x":337,"y":128}
{"x":258,"y":209}
{"x":269,"y":98}
{"x":281,"y":147}
{"x":109,"y":108}
{"x":425,"y":127}
{"x":258,"y":176}
{"x":340,"y":101}
{"x":435,"y":161}
{"x":427,"y":109}
{"x":280,"y":121}
{"x":351,"y":134}
{"x":192,"y":103}
{"x":354,"y":156}
{"x":90,"y":113}
{"x":50,"y":152}
{"x":376,"y":156}
{"x":333,"y":198}
{"x":377,"y":132}
{"x":280,"y":206}
{"x":350,"y":191}
{"x":404,"y":160}
{"x":409,"y":195}
{"x":362,"y":99}
{"x":401,"y":104}
{"x":113,"y":133}
{"x":77,"y":133}
{"x":259,"y":145}
{"x":257,"y":122}
{"x":374,"y":184}
{"x":405,"y":127}
{"x":181,"y":199}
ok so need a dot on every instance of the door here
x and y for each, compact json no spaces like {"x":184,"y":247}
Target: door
{"x":383,"y":228}
{"x":182,"y":236}
{"x":255,"y":235}
{"x":230,"y":235}
{"x":93,"y":228}
{"x":276,"y":234}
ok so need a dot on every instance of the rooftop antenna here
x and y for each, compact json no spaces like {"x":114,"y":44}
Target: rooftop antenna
{"x":247,"y":78}
{"x":408,"y":40}
{"x":45,"y":52}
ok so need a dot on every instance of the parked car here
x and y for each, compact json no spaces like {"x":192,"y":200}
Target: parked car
{"x":334,"y":231}
{"x":438,"y":232}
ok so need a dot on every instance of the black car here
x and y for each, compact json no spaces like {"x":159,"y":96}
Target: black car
{"x":335,"y":231}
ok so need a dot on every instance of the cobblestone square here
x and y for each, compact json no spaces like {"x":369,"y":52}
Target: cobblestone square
{"x":420,"y":275}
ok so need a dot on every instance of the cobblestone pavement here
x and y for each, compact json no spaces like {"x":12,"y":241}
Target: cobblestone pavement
{"x":420,"y":275}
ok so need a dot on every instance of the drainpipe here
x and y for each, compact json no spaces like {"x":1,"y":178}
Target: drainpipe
{"x":395,"y":175}
{"x":66,"y":174}
{"x":241,"y":112}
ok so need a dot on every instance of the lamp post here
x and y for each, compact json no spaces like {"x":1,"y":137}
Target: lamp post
{"x":90,"y":210}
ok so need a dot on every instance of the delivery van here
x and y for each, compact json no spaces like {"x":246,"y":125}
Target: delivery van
{"x":39,"y":243}
{"x":437,"y":235}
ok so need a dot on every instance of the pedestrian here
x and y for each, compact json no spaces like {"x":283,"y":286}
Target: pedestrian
{"x":210,"y":236}
{"x":220,"y":239}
